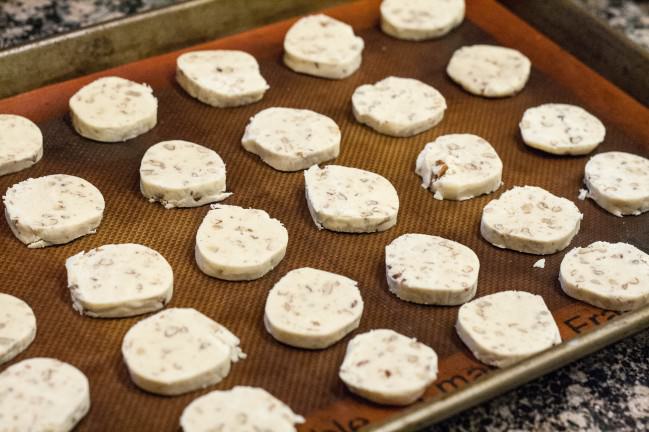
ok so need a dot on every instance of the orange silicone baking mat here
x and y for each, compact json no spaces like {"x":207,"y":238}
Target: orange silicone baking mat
{"x":308,"y":380}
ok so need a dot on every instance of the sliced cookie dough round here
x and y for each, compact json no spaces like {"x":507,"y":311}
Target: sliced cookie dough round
{"x":54,"y":209}
{"x":506,"y":327}
{"x":182,"y":174}
{"x":612,"y":276}
{"x":221,"y":78}
{"x":239,"y":409}
{"x":561,"y":129}
{"x":322,"y":46}
{"x":17,"y":327}
{"x":459,"y":167}
{"x":530,"y":219}
{"x":313,"y":309}
{"x":489,"y":71}
{"x":119,"y":280}
{"x":619,"y":182}
{"x":113,"y":109}
{"x":42,"y":394}
{"x":427,"y":269}
{"x":179,"y":350}
{"x":399,"y":107}
{"x":236,"y":244}
{"x":388,"y":368}
{"x":21,"y":143}
{"x":290,"y":139}
{"x":350,"y":200}
{"x":418,"y":20}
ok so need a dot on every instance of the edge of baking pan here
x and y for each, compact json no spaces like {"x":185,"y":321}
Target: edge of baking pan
{"x":590,"y":39}
{"x":501,"y":381}
{"x":102,"y":46}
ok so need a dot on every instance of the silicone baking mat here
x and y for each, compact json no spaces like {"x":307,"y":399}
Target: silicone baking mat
{"x":308,"y":380}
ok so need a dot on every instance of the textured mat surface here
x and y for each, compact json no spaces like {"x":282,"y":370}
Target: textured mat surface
{"x":308,"y":381}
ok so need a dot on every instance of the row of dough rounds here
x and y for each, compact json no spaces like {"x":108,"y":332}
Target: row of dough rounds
{"x":179,"y":350}
{"x":57,"y":209}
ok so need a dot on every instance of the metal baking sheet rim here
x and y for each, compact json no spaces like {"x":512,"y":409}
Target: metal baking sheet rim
{"x":433,"y":410}
{"x":120,"y":41}
{"x":498,"y":382}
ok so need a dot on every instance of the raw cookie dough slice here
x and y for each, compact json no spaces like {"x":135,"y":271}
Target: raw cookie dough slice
{"x":504,"y":328}
{"x":292,"y":139}
{"x":561,"y":129}
{"x":428,"y":269}
{"x":17,"y":327}
{"x":488,"y":70}
{"x":42,"y":394}
{"x":420,"y":19}
{"x":459,"y":167}
{"x":235,"y":243}
{"x":54,"y":209}
{"x":241,"y":409}
{"x":312,"y":309}
{"x":530,"y":219}
{"x":619,"y":182}
{"x":113,"y":109}
{"x":221,"y":78}
{"x":350,"y":200}
{"x":388,"y":368}
{"x":21,"y":143}
{"x":611,"y":276}
{"x":119,"y":280}
{"x":179,"y":350}
{"x":324,"y":47}
{"x":399,"y":107}
{"x":182,"y":174}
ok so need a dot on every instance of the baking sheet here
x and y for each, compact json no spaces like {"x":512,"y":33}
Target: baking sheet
{"x":308,"y":380}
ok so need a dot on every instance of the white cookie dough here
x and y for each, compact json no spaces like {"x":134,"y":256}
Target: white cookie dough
{"x":241,"y":409}
{"x":113,"y":109}
{"x":119,"y":280}
{"x":489,"y":71}
{"x":530,"y":219}
{"x":42,"y":394}
{"x":428,"y":269}
{"x":388,"y":368}
{"x":21,"y":143}
{"x":619,"y":182}
{"x":290,"y":139}
{"x":235,"y":243}
{"x":17,"y":327}
{"x":350,"y":200}
{"x":612,"y":276}
{"x":179,"y":350}
{"x":312,"y":309}
{"x":321,"y":46}
{"x":221,"y":78}
{"x":182,"y":174}
{"x":420,"y":19}
{"x":54,"y":209}
{"x":506,"y":327}
{"x":459,"y":167}
{"x":561,"y":129}
{"x":400,"y":107}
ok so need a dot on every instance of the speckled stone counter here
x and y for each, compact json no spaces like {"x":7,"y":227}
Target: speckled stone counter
{"x":28,"y":20}
{"x":606,"y":391}
{"x":629,"y":17}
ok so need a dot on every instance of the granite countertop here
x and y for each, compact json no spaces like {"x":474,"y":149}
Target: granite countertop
{"x":24,"y":21}
{"x":28,"y":20}
{"x":606,"y":391}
